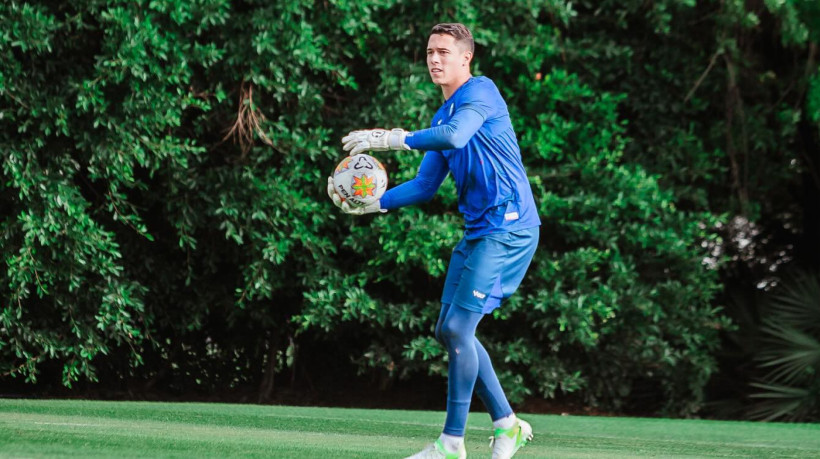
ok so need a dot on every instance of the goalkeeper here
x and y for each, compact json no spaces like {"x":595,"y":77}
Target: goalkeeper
{"x":472,"y":138}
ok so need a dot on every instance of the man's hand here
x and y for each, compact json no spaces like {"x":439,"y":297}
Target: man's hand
{"x":346,"y":207}
{"x":375,"y":140}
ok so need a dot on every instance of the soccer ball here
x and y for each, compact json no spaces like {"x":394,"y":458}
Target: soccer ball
{"x":360,"y":180}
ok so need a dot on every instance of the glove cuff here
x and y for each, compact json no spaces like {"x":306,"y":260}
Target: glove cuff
{"x":395,"y":139}
{"x":376,"y":207}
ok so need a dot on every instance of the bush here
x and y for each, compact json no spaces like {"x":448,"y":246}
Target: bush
{"x":164,"y":220}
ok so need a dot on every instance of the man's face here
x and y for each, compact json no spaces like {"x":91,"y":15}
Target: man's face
{"x":446,"y":61}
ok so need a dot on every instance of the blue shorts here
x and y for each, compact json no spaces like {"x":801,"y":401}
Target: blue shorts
{"x":485,"y":271}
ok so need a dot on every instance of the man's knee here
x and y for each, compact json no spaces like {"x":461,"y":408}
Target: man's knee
{"x":445,"y":307}
{"x":452,"y":332}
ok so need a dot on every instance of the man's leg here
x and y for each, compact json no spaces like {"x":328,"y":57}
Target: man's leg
{"x":458,"y":333}
{"x":449,"y":332}
{"x":448,"y":445}
{"x":488,"y":388}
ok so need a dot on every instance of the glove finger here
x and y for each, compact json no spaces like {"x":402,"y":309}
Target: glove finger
{"x":331,"y":187}
{"x":347,"y":209}
{"x":350,"y":145}
{"x":354,"y":135}
{"x":331,"y":192}
{"x":362,"y":146}
{"x":337,"y":200}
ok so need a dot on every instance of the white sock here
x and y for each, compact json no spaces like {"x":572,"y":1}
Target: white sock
{"x":505,"y":423}
{"x":451,"y":442}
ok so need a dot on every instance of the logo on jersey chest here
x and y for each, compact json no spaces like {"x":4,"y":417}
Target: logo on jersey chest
{"x":449,"y":114}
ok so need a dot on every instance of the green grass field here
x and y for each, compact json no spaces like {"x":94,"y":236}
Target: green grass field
{"x":37,"y":428}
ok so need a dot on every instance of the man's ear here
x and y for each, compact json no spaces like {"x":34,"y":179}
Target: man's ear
{"x":468,"y":57}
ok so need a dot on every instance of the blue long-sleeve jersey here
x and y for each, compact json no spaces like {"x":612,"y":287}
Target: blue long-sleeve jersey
{"x":472,"y":138}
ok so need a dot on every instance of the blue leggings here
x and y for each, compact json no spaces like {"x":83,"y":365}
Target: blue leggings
{"x":470,"y":368}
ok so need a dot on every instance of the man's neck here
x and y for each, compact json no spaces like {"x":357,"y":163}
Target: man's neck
{"x":449,"y":90}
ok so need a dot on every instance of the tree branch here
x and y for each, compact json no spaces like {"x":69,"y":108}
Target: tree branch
{"x":703,"y":76}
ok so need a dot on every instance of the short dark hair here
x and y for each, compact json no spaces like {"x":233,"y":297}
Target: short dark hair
{"x":456,"y":30}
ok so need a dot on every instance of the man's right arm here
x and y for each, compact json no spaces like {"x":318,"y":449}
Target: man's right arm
{"x":455,"y":134}
{"x":423,"y":187}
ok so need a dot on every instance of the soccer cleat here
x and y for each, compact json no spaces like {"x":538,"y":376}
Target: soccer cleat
{"x":437,"y":451}
{"x":506,"y":442}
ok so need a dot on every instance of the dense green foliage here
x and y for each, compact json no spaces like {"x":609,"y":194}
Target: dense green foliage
{"x":789,"y":355}
{"x":163,"y":218}
{"x":777,"y":347}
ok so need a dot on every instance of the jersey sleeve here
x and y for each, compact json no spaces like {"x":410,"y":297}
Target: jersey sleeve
{"x":455,"y":134}
{"x":432,"y":172}
{"x":481,"y":97}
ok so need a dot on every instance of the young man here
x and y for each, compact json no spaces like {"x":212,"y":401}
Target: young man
{"x":472,"y":138}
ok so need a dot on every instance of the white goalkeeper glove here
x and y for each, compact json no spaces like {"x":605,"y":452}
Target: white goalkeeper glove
{"x":375,"y":140}
{"x":346,"y":207}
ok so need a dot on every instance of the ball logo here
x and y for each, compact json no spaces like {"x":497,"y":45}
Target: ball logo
{"x":364,"y":186}
{"x":362,"y":163}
